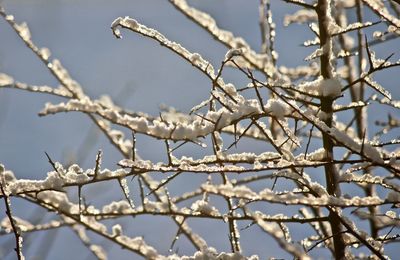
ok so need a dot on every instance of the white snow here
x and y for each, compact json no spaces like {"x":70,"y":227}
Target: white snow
{"x":375,"y":85}
{"x":116,"y":207}
{"x":45,"y":53}
{"x":116,"y":230}
{"x":292,"y":198}
{"x":377,"y":35}
{"x":391,"y":214}
{"x":330,"y":87}
{"x":132,"y":24}
{"x":98,"y":251}
{"x":392,"y":29}
{"x":23,"y":31}
{"x":204,"y":207}
{"x":301,"y":16}
{"x":5,"y":80}
{"x":209,"y":24}
{"x":211,"y":253}
{"x":277,"y":108}
{"x":195,"y":57}
{"x":233,"y":52}
{"x":275,"y":231}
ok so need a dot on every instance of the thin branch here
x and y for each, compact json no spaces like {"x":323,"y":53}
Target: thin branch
{"x":16,"y":231}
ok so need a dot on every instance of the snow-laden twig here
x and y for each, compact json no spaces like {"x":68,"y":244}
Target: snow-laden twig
{"x":194,"y":58}
{"x":305,"y":105}
{"x":277,"y":234}
{"x":16,"y":231}
{"x":204,"y":20}
{"x":291,"y":198}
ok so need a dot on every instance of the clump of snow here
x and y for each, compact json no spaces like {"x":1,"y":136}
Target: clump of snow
{"x":117,"y":207}
{"x":330,"y":87}
{"x":230,"y":89}
{"x":45,"y":53}
{"x":126,"y":22}
{"x":392,"y":28}
{"x":211,"y":253}
{"x":233,"y":52}
{"x":130,"y":22}
{"x":58,"y":200}
{"x":257,"y":165}
{"x":277,"y":108}
{"x":76,"y":175}
{"x":301,"y":16}
{"x":98,"y":251}
{"x":7,"y":176}
{"x":23,"y":31}
{"x":138,"y":243}
{"x":5,"y":80}
{"x":158,"y":206}
{"x":116,"y":230}
{"x":21,"y":224}
{"x":391,"y":214}
{"x":311,"y":87}
{"x":9,"y":17}
{"x":195,"y":57}
{"x":114,"y":25}
{"x":204,"y":207}
{"x":317,"y":155}
{"x":378,"y":35}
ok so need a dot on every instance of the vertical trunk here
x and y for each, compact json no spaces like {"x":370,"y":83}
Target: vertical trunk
{"x":324,"y":18}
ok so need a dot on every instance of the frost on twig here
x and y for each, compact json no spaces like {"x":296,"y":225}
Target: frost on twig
{"x":309,"y":118}
{"x":291,"y":198}
{"x":226,"y":37}
{"x":379,"y":8}
{"x":194,"y":58}
{"x":277,"y":234}
{"x":13,"y":223}
{"x":97,"y":250}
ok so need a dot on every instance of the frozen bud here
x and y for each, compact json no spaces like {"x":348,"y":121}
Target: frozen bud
{"x":114,"y":28}
{"x":377,"y":35}
{"x":23,"y":31}
{"x":130,"y":22}
{"x":275,"y":55}
{"x":391,"y":214}
{"x":117,"y":230}
{"x":392,"y":28}
{"x":44,"y":53}
{"x":194,"y":57}
{"x":5,"y":80}
{"x":9,"y":17}
{"x":233,"y":52}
